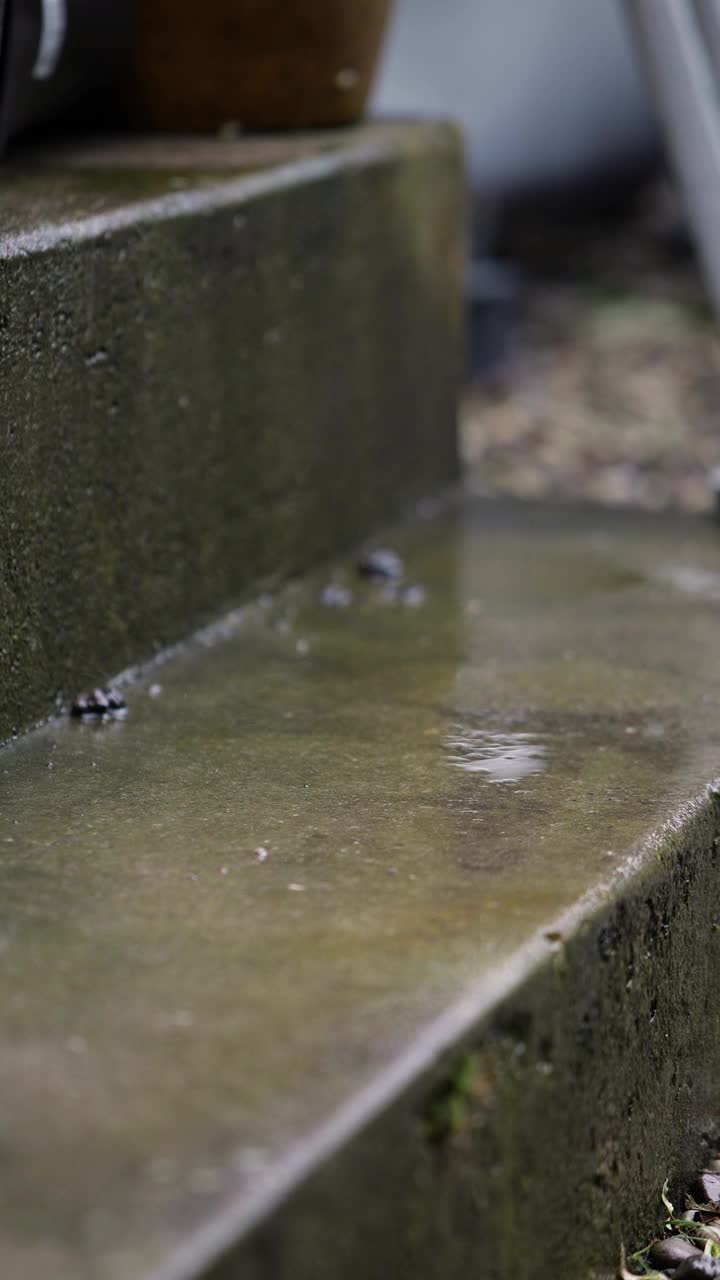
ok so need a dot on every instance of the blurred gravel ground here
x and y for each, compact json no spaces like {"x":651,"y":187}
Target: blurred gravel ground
{"x":610,"y":389}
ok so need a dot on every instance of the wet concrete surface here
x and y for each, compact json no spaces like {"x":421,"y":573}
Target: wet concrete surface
{"x":203,"y":344}
{"x":49,"y":190}
{"x":231,"y":915}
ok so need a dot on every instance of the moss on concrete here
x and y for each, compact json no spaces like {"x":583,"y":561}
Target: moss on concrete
{"x":195,"y":1041}
{"x":559,"y":1119}
{"x":206,"y":389}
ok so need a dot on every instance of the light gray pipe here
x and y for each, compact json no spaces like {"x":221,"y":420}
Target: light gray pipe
{"x":680,"y":44}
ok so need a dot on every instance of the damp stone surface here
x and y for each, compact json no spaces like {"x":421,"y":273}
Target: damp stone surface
{"x":288,"y":989}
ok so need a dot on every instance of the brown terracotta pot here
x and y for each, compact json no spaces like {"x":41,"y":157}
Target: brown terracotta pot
{"x":267,"y":64}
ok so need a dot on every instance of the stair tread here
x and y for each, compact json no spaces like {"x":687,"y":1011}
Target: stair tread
{"x":190,"y":1025}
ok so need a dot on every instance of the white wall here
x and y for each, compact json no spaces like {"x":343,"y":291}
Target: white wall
{"x":547,"y":90}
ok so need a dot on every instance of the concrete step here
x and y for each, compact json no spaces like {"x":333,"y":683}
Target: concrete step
{"x":378,"y":940}
{"x":222,"y":360}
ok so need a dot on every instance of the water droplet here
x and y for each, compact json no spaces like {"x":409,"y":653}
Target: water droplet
{"x":413,"y":596}
{"x":692,"y":581}
{"x":504,"y":757}
{"x":335,"y":596}
{"x":381,"y":563}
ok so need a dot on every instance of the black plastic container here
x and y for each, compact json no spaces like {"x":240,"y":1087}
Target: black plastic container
{"x":58,"y":56}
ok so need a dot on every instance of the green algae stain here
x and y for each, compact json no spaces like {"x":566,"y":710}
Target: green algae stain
{"x":454,"y":1105}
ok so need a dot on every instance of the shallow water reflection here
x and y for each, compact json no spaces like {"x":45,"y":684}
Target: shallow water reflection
{"x":504,"y":757}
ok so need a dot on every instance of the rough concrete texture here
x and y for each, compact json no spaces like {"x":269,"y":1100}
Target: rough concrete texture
{"x":212,"y":375}
{"x":460,"y":1017}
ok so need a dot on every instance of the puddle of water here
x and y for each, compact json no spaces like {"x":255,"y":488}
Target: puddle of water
{"x":504,"y":757}
{"x":692,"y":581}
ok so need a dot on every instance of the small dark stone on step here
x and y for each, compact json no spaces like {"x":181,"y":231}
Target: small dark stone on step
{"x":380,"y":564}
{"x":333,"y":596}
{"x":99,"y":702}
{"x":702,"y":1267}
{"x":668,"y":1254}
{"x":707,"y":1188}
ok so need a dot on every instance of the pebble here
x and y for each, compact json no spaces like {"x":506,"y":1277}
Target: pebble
{"x":380,"y":564}
{"x":702,"y":1267}
{"x":708,"y":1231}
{"x":668,"y":1254}
{"x":99,"y":702}
{"x":707,"y":1188}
